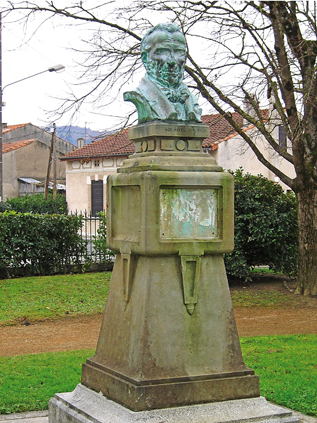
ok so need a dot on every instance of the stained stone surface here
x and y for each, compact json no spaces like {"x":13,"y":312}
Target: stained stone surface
{"x":86,"y":406}
{"x":169,"y":336}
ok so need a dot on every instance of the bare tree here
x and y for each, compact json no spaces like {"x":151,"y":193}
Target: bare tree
{"x":248,"y":50}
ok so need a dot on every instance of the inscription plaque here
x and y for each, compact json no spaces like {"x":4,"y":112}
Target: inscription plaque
{"x":188,"y":213}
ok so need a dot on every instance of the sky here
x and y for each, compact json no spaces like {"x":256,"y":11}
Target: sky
{"x":39,"y":46}
{"x":33,"y":100}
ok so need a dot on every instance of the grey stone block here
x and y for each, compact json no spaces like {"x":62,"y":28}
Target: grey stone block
{"x":84,"y":405}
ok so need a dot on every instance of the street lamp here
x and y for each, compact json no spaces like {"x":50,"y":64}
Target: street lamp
{"x":56,"y":68}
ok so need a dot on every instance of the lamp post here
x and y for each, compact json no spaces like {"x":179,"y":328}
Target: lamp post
{"x":56,"y":68}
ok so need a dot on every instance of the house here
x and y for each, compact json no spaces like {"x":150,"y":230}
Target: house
{"x":26,"y":152}
{"x":87,"y":168}
{"x":27,"y":131}
{"x":232,"y":152}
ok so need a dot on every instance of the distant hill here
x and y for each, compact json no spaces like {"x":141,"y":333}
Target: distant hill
{"x":72,"y":133}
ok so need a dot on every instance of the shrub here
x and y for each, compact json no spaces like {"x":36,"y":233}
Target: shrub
{"x":265,"y":227}
{"x":100,"y":241}
{"x":4,"y":206}
{"x":42,"y":244}
{"x":37,"y":204}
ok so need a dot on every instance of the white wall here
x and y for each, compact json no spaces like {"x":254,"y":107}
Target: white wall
{"x":79,"y":175}
{"x":235,"y":152}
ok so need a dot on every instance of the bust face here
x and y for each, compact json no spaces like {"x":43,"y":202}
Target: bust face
{"x":165,"y":61}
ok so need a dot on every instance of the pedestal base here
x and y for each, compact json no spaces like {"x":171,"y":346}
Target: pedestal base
{"x":84,"y":405}
{"x":154,"y":394}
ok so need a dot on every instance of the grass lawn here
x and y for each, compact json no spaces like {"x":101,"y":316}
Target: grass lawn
{"x":265,"y":299}
{"x":286,"y":366}
{"x":51,"y":297}
{"x":27,"y":382}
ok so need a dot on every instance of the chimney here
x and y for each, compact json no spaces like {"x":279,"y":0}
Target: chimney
{"x":80,"y":142}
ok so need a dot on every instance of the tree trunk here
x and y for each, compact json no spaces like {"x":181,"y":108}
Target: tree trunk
{"x":307,"y":241}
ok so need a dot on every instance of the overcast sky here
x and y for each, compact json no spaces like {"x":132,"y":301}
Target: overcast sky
{"x":33,"y":99}
{"x":26,"y":53}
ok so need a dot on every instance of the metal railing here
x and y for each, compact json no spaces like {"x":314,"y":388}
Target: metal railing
{"x":92,"y":232}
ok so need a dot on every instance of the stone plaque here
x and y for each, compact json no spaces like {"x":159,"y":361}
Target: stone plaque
{"x":126,"y":203}
{"x":188,"y":213}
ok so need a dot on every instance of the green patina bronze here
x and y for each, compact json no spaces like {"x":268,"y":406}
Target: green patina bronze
{"x":161,"y":94}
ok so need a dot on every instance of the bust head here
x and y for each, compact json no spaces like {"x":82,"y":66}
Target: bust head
{"x":163,"y":52}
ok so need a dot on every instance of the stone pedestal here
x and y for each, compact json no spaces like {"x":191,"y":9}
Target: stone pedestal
{"x":168,"y":337}
{"x":152,"y":353}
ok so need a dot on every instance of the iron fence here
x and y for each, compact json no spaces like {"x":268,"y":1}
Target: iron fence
{"x":93,"y":233}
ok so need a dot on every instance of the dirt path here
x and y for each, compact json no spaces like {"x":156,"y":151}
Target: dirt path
{"x":82,"y":332}
{"x":298,"y":315}
{"x":73,"y":333}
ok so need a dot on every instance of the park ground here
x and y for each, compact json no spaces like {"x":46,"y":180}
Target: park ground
{"x":297,"y":315}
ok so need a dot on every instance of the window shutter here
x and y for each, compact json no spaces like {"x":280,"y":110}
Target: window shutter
{"x":282,"y":137}
{"x":96,"y":197}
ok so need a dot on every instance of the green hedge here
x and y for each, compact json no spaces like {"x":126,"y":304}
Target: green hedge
{"x":265,"y":220}
{"x":36,"y":204}
{"x":40,"y":244}
{"x":265,"y":234}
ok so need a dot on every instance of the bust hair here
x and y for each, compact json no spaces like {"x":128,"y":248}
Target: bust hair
{"x":169,"y":27}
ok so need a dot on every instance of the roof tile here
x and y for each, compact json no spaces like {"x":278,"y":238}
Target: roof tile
{"x":10,"y":128}
{"x":13,"y":127}
{"x":9,"y":146}
{"x":219,"y":127}
{"x":113,"y":145}
{"x":119,"y":144}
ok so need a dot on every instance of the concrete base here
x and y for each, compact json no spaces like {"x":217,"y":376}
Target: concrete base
{"x":84,"y":405}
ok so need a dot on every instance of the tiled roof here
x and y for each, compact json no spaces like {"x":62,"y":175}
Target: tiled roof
{"x":119,"y":144}
{"x":13,"y":127}
{"x":219,"y":128}
{"x":10,"y":128}
{"x":9,"y":146}
{"x":113,"y":145}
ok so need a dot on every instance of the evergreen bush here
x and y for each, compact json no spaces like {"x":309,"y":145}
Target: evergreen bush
{"x":37,"y":204}
{"x":265,"y":227}
{"x":41,"y":244}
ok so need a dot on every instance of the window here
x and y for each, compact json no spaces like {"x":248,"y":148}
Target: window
{"x":282,"y":139}
{"x":96,"y":197}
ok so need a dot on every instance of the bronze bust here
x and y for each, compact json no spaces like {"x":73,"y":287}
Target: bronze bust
{"x":161,"y":94}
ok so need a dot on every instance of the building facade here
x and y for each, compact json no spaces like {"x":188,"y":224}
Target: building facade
{"x":88,"y":167}
{"x":87,"y":170}
{"x":26,"y":157}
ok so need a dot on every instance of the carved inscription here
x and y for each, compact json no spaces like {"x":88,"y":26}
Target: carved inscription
{"x":187,"y":213}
